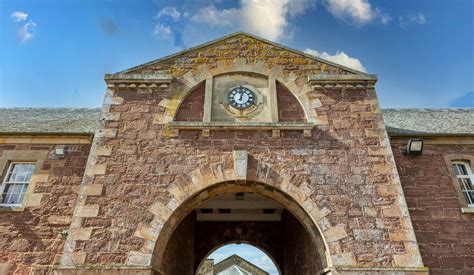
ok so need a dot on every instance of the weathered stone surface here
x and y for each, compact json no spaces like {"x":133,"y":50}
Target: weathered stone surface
{"x":144,"y":173}
{"x":240,"y":164}
{"x":30,"y":241}
{"x":93,"y":189}
{"x":86,"y":211}
{"x":434,"y":204}
{"x":330,"y":171}
{"x":81,"y":233}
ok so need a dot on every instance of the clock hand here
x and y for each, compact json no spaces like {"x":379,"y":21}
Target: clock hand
{"x":241,"y":95}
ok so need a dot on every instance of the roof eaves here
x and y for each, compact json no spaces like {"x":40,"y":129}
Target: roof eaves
{"x":22,"y":133}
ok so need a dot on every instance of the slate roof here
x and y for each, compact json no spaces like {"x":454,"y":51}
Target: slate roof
{"x":399,"y":122}
{"x":49,"y":120}
{"x":427,"y":122}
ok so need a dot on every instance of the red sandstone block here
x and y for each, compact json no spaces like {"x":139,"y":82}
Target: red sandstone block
{"x":440,"y":249}
{"x":452,"y":262}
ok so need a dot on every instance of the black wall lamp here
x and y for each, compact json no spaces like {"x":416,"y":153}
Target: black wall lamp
{"x":414,"y":147}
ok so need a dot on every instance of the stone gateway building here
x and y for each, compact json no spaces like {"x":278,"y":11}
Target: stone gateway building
{"x":237,"y":140}
{"x":232,"y":265}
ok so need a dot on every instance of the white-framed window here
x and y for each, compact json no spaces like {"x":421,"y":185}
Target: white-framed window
{"x":15,"y":183}
{"x":466,"y":180}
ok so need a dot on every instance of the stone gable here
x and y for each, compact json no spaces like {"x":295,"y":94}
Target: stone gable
{"x":240,"y":262}
{"x":240,"y":45}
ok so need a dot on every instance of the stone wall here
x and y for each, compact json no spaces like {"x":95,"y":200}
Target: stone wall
{"x":344,"y":169}
{"x":300,"y":251}
{"x":341,"y":173}
{"x":207,"y":268}
{"x":30,"y":236}
{"x":180,"y":257}
{"x":444,"y":234}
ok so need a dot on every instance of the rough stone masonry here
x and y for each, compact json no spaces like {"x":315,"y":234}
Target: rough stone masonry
{"x":336,"y":165}
{"x":314,"y":143}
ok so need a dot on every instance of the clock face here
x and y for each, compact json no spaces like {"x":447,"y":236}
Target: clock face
{"x":241,"y":97}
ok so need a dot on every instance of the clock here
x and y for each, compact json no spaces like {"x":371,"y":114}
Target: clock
{"x":241,"y":97}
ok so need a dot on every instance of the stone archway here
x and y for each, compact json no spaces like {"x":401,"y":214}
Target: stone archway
{"x":177,"y":237}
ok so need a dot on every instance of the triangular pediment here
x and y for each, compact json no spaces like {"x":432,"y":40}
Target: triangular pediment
{"x":240,"y":45}
{"x":235,"y":264}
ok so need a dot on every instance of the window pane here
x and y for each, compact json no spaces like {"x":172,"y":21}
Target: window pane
{"x":20,"y":177}
{"x":22,"y":196}
{"x":13,"y":193}
{"x":469,"y":197}
{"x":20,"y":172}
{"x":462,"y":184}
{"x":31,"y":168}
{"x":12,"y":198}
{"x":16,"y":183}
{"x":17,"y":188}
{"x":464,"y":169}
{"x":460,"y":169}
{"x":18,"y":167}
{"x":468,"y":189}
{"x":25,"y":187}
{"x":468,"y":184}
{"x":456,"y":169}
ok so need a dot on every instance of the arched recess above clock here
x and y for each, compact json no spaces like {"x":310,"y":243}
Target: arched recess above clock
{"x":240,"y":97}
{"x":191,"y":108}
{"x":240,"y":101}
{"x":289,"y":108}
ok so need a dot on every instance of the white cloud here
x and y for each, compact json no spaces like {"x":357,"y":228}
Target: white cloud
{"x":406,"y":20}
{"x":25,"y":32}
{"x":170,"y":12}
{"x":266,"y":18}
{"x":360,"y":12}
{"x":163,"y":31}
{"x":340,"y":58}
{"x":271,"y":19}
{"x":210,"y":15}
{"x":18,"y":16}
{"x":167,"y":17}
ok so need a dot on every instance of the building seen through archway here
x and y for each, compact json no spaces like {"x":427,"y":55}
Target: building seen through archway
{"x":238,"y":258}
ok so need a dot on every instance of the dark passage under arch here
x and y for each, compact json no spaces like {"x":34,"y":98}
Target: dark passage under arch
{"x":247,"y":218}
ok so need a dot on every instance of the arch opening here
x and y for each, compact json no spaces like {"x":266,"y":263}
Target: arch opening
{"x":236,"y":212}
{"x":250,"y":258}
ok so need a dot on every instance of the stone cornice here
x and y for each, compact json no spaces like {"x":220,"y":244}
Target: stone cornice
{"x":187,"y":125}
{"x":156,"y":77}
{"x":343,"y":80}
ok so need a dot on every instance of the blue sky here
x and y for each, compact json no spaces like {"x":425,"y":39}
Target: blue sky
{"x":55,"y":53}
